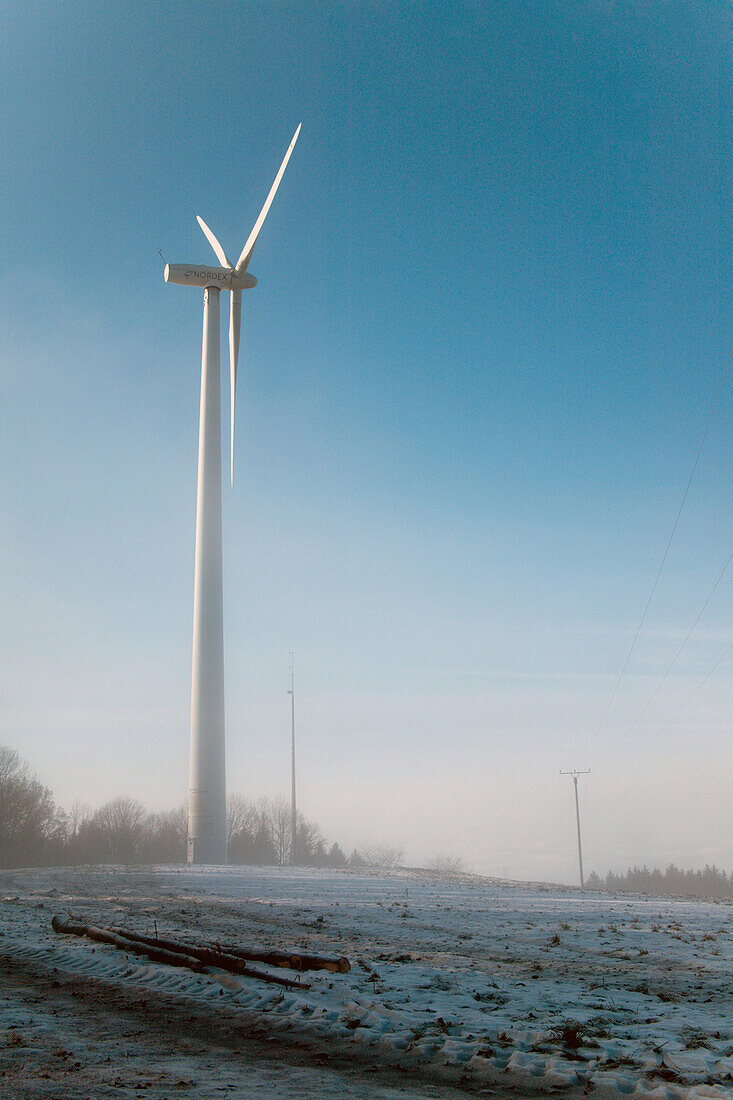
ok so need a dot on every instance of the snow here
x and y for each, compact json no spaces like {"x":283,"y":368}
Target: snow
{"x":469,"y":983}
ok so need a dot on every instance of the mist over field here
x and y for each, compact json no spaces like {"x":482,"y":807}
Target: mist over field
{"x":482,"y":405}
{"x":404,"y":768}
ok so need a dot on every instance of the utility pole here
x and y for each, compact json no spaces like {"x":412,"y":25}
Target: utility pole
{"x":575,"y":775}
{"x":293,"y":814}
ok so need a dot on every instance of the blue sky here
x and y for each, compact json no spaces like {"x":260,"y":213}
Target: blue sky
{"x":492,"y":315}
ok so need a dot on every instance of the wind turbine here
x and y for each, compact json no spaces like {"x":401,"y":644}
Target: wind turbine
{"x":207,"y":839}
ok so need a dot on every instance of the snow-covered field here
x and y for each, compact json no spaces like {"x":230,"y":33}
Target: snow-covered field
{"x":456,"y":986}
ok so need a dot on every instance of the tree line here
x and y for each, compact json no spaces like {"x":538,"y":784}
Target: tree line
{"x":36,"y":832}
{"x":708,"y":883}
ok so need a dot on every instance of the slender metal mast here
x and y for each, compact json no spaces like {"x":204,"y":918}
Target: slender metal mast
{"x":293,"y":812}
{"x":575,"y":775}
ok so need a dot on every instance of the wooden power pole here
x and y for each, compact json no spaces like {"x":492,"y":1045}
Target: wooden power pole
{"x":575,"y":775}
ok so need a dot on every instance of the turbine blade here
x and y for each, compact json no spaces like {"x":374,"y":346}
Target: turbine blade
{"x":220,"y":253}
{"x":235,"y":314}
{"x":243,"y":261}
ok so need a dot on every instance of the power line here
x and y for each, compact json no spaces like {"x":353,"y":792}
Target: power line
{"x":679,"y":710}
{"x":666,"y":552}
{"x":692,"y":694}
{"x":674,"y":660}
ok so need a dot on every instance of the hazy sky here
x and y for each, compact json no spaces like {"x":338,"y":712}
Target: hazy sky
{"x":493,"y":311}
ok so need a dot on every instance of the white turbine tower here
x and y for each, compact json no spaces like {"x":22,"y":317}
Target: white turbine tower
{"x":207,"y":840}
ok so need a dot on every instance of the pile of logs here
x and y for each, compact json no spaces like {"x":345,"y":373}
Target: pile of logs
{"x":204,"y":958}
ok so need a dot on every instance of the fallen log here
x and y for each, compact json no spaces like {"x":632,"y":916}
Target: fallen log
{"x":282,"y":959}
{"x":209,"y":952}
{"x":169,"y":951}
{"x":213,"y":956}
{"x":336,"y":964}
{"x":134,"y":947}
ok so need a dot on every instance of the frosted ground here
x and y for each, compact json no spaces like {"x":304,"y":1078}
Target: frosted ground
{"x":466,"y":986}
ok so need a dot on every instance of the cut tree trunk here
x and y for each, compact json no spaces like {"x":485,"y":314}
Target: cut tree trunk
{"x":212,"y":955}
{"x":336,"y":964}
{"x":134,"y":947}
{"x":168,"y":951}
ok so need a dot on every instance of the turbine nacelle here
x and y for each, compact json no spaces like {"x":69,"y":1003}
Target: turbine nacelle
{"x":226,"y":278}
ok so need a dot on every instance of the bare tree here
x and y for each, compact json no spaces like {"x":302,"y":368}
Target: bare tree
{"x":378,"y":855}
{"x":122,"y":830}
{"x":445,"y":865}
{"x":27,"y":812}
{"x":241,"y":816}
{"x":118,"y":830}
{"x":249,"y":829}
{"x":281,"y":817}
{"x":167,"y":836}
{"x":75,"y":818}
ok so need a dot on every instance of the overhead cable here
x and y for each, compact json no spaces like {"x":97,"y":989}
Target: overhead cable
{"x":674,"y":660}
{"x":666,"y":552}
{"x":679,"y":710}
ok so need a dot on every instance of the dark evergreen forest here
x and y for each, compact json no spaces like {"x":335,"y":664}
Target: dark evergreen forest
{"x":672,"y":882}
